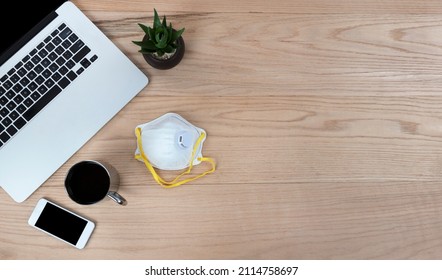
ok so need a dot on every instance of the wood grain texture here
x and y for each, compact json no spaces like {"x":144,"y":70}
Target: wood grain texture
{"x":325,"y":120}
{"x":278,"y":6}
{"x":376,"y":55}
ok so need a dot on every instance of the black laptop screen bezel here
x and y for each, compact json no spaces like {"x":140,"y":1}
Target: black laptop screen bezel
{"x":30,"y":17}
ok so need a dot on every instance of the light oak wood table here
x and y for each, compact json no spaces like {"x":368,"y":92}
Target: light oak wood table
{"x":324,"y":117}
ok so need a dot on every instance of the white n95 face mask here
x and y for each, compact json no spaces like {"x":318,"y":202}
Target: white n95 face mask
{"x":171,"y":143}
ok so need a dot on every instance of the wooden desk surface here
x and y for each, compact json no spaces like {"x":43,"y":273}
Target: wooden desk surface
{"x":325,"y":118}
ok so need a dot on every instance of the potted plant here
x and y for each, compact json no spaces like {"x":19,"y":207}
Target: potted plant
{"x":162,"y":46}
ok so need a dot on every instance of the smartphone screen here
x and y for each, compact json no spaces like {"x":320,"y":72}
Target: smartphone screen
{"x":61,"y":223}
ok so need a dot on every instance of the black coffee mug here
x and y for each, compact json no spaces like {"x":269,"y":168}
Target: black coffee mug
{"x":89,"y":182}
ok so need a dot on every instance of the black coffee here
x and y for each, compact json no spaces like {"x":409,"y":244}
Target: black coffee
{"x":87,"y":182}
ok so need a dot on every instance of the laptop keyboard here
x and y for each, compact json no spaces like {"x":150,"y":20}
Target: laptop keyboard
{"x":39,"y":77}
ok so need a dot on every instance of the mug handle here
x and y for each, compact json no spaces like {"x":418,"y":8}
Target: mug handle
{"x":117,"y":198}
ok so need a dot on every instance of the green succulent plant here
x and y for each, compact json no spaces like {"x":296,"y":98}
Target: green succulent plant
{"x":161,"y":39}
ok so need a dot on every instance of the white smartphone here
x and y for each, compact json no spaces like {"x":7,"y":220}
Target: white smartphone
{"x":61,"y":223}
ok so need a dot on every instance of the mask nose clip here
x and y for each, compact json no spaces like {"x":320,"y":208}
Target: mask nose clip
{"x":184,"y":139}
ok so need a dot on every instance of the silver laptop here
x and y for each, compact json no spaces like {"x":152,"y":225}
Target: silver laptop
{"x":61,"y":80}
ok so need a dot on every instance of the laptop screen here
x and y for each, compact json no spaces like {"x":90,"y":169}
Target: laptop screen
{"x":26,"y":15}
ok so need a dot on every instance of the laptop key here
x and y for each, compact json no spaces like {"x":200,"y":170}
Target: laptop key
{"x":29,"y":65}
{"x":25,"y":92}
{"x":63,"y":70}
{"x":59,"y":50}
{"x":73,"y":37}
{"x":65,"y":33}
{"x":41,"y":45}
{"x":63,"y":25}
{"x":3,"y":79}
{"x":52,"y":56}
{"x":4,"y":137}
{"x":66,"y":44}
{"x":32,"y":86}
{"x":53,"y":67}
{"x":18,"y":99}
{"x":19,"y":123}
{"x":82,"y":53}
{"x":4,"y":112}
{"x":46,"y":73}
{"x":38,"y":68}
{"x":31,"y":75}
{"x":41,"y":103}
{"x":28,"y":102}
{"x":56,"y":76}
{"x":48,"y":39}
{"x":13,"y":115}
{"x":67,"y":54}
{"x":3,"y":101}
{"x":45,"y":62}
{"x":6,"y":122}
{"x":71,"y":75}
{"x":10,"y":94}
{"x":11,"y":130}
{"x":56,"y":41}
{"x":35,"y":96}
{"x":25,"y":59}
{"x":7,"y":85}
{"x":42,"y":89}
{"x":21,"y":108}
{"x":36,"y":59}
{"x":17,"y":88}
{"x":22,"y":71}
{"x":14,"y":78}
{"x":63,"y":83}
{"x":25,"y":81}
{"x":43,"y":53}
{"x":49,"y":47}
{"x":49,"y":83}
{"x":18,"y":65}
{"x":70,"y":64}
{"x":39,"y":80}
{"x":75,"y":47}
{"x":85,"y":63}
{"x":11,"y":105}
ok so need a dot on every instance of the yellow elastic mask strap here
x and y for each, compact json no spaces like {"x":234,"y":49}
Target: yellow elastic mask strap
{"x":174,"y":182}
